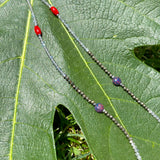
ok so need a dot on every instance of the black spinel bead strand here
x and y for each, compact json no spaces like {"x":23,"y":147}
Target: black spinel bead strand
{"x":125,"y":133}
{"x":98,"y":106}
{"x":116,"y":80}
{"x":139,"y":102}
{"x":100,"y":64}
{"x":135,"y":98}
{"x":79,"y":91}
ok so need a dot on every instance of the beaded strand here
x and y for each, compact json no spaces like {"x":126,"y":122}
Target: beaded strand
{"x":99,"y":108}
{"x":116,"y":80}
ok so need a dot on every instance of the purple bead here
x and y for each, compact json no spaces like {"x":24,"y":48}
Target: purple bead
{"x":116,"y":81}
{"x":99,"y":107}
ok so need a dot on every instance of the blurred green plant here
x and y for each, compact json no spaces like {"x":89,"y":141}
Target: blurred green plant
{"x":69,"y":139}
{"x":150,"y":55}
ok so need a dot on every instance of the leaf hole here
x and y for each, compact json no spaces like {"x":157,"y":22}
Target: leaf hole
{"x":150,"y":55}
{"x":69,"y":139}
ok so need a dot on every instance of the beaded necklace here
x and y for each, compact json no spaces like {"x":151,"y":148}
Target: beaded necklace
{"x":116,"y":80}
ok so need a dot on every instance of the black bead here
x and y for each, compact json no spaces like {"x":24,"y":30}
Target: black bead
{"x":93,"y":57}
{"x":87,"y":98}
{"x":92,"y":102}
{"x":113,"y":119}
{"x":97,"y":61}
{"x":102,"y":66}
{"x":106,"y":71}
{"x":118,"y":124}
{"x":81,"y":93}
{"x":127,"y":135}
{"x":74,"y":87}
{"x":110,"y":116}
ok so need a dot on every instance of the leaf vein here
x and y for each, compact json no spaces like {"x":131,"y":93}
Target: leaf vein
{"x":4,"y":3}
{"x":18,"y":85}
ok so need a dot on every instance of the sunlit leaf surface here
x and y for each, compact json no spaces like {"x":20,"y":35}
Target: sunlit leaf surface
{"x":31,"y":88}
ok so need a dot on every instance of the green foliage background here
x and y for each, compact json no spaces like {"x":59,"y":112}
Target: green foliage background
{"x":31,"y":88}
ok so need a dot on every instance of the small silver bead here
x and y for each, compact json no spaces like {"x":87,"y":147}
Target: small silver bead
{"x":70,"y":82}
{"x":147,"y":109}
{"x":122,"y":85}
{"x":113,"y":119}
{"x":125,"y":132}
{"x":107,"y":114}
{"x":67,"y":78}
{"x":82,"y":93}
{"x":94,"y":58}
{"x":78,"y":90}
{"x":134,"y":97}
{"x":106,"y":71}
{"x":144,"y":105}
{"x":127,"y":89}
{"x":110,"y":116}
{"x":92,"y":102}
{"x":120,"y":127}
{"x":74,"y":86}
{"x":127,"y":135}
{"x":84,"y":96}
{"x":105,"y":111}
{"x":87,"y":98}
{"x":132,"y":94}
{"x":102,"y":66}
{"x":89,"y":53}
{"x":97,"y":61}
{"x":115,"y":122}
{"x":139,"y":102}
{"x":110,"y":75}
{"x":118,"y":124}
{"x":129,"y":92}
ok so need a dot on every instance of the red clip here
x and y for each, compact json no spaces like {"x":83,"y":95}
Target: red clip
{"x":54,"y":10}
{"x":37,"y":30}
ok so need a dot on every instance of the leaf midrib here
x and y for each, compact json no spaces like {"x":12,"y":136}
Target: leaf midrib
{"x":19,"y":82}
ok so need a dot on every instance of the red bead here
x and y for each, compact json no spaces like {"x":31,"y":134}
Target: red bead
{"x":54,"y":10}
{"x":37,"y":30}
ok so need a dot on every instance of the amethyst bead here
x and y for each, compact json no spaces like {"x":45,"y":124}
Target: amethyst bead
{"x":99,"y":107}
{"x":116,"y":81}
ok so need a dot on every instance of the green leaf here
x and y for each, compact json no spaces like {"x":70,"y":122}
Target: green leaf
{"x":31,"y":88}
